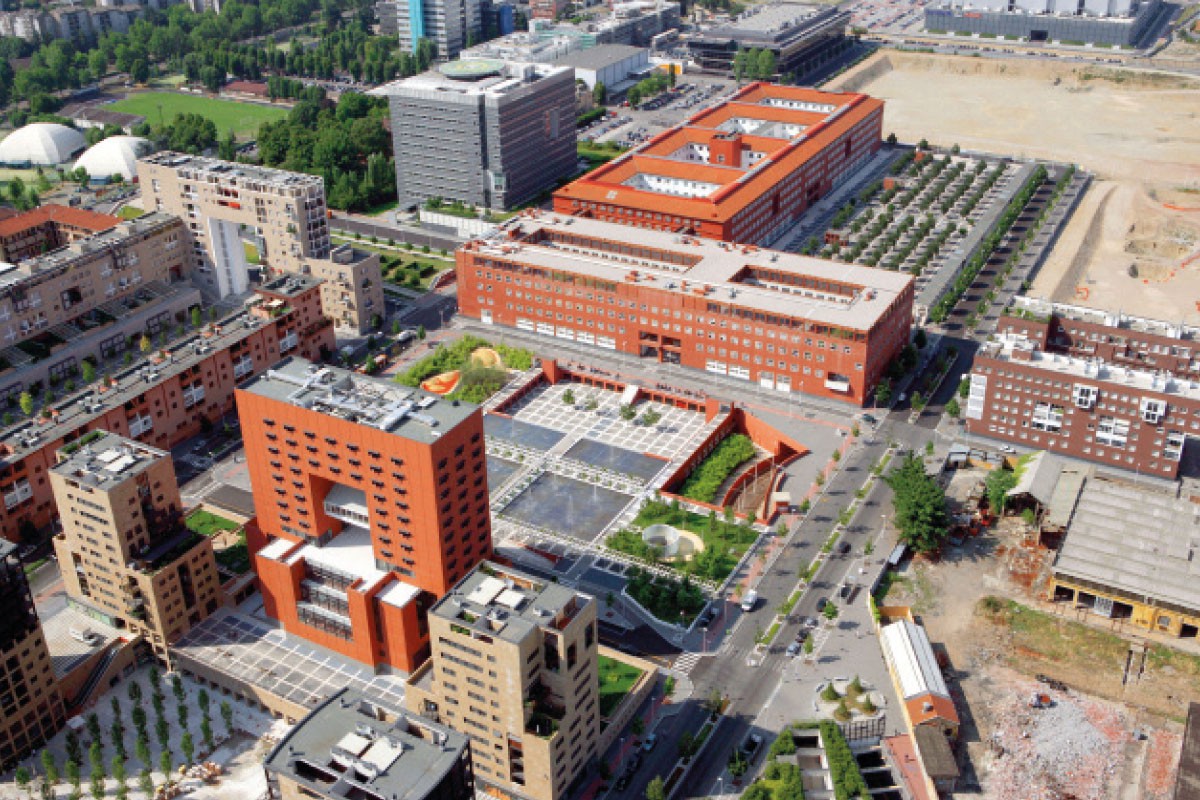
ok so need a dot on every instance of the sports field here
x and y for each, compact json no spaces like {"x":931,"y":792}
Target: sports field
{"x":243,"y":118}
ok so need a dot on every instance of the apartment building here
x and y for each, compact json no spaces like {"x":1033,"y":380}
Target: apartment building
{"x":1116,"y":390}
{"x":164,"y":398}
{"x":90,"y":297}
{"x":283,"y":213}
{"x":126,"y":555}
{"x":514,"y":668}
{"x":371,"y":501}
{"x":483,"y":132}
{"x":351,"y":747}
{"x":782,"y":321}
{"x":46,"y":228}
{"x":31,"y":706}
{"x":743,"y":170}
{"x":450,"y":25}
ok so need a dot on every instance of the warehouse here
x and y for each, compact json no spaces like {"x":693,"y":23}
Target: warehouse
{"x":1120,"y":23}
{"x":617,"y":66}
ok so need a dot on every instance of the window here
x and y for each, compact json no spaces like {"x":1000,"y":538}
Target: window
{"x":1112,"y":431}
{"x":1047,"y":417}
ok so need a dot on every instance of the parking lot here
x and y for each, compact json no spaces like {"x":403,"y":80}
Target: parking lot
{"x":629,"y":127}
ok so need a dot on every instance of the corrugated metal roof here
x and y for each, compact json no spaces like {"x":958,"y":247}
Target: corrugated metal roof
{"x":906,"y":648}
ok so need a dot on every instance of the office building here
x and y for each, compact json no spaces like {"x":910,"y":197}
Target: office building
{"x":1130,"y":556}
{"x":450,"y":25}
{"x":1118,"y":23}
{"x":514,"y":668}
{"x":126,"y":554}
{"x":1117,"y":390}
{"x":371,"y":502}
{"x":743,"y":170}
{"x":350,"y":748}
{"x":282,"y":213}
{"x":617,"y":66}
{"x":162,"y":399}
{"x":486,"y":133}
{"x":31,"y":706}
{"x":782,"y":321}
{"x":799,"y":36}
{"x":47,"y":228}
{"x":90,"y":297}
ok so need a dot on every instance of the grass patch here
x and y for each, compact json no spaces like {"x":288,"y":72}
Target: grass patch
{"x":243,"y":118}
{"x":672,"y":601}
{"x":209,"y":524}
{"x":1053,"y":638}
{"x":769,"y":636}
{"x":724,"y":542}
{"x":616,"y":680}
{"x":251,"y":253}
{"x":597,"y":153}
{"x":130,"y":212}
{"x":477,"y":383}
{"x":236,"y":557}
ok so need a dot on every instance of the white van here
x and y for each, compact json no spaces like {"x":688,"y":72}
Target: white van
{"x":750,"y":601}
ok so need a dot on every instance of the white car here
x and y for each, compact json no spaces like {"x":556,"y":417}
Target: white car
{"x":1007,"y":448}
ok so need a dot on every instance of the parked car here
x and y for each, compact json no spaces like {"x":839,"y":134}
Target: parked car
{"x":750,"y":601}
{"x":650,"y":742}
{"x":801,"y":635}
{"x":810,"y":622}
{"x":824,"y":601}
{"x":844,"y":548}
{"x":751,"y":745}
{"x":1007,"y":448}
{"x":793,"y":649}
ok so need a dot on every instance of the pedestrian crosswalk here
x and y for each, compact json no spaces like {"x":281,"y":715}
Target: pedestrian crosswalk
{"x":686,"y":662}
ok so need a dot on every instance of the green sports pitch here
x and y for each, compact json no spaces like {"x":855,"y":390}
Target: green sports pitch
{"x":243,"y":118}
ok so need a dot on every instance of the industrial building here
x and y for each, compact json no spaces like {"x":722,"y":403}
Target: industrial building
{"x":918,"y":678}
{"x":798,"y":35}
{"x":371,"y":501}
{"x":486,"y":133}
{"x":782,"y":321}
{"x":164,"y":398}
{"x":1130,"y":556}
{"x":1121,"y":391}
{"x":1122,"y":23}
{"x":515,"y":668}
{"x":31,"y":706}
{"x":743,"y":170}
{"x":617,"y":66}
{"x":127,"y":556}
{"x":287,"y":214}
{"x":351,"y":747}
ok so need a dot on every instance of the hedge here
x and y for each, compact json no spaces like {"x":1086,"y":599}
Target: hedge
{"x":704,"y":481}
{"x":848,"y":782}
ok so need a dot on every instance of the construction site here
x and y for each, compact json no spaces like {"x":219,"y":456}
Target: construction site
{"x":1134,"y":242}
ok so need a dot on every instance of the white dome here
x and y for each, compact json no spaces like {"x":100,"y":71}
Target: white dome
{"x":42,"y":144}
{"x":116,"y":155}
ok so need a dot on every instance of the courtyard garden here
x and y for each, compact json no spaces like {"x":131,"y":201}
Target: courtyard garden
{"x":470,"y":369}
{"x":616,"y":680}
{"x":208,"y":523}
{"x":724,"y":541}
{"x":706,"y":479}
{"x":671,"y":600}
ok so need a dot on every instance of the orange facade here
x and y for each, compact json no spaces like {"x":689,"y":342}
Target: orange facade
{"x":429,"y":522}
{"x":741,"y":171}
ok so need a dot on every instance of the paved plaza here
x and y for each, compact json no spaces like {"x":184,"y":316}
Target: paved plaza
{"x":562,"y":504}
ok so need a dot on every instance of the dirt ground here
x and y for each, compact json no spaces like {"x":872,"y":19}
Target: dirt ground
{"x":1137,"y":131}
{"x":1103,"y":741}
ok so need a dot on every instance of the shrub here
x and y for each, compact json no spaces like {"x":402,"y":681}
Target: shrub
{"x":704,"y":481}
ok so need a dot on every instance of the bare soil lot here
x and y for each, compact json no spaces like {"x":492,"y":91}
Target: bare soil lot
{"x":1138,"y":131}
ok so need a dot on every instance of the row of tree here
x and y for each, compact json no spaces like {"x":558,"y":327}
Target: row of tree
{"x":919,"y":503}
{"x":754,"y":65}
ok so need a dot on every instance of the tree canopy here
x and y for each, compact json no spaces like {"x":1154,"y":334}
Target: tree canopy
{"x":920,"y":506}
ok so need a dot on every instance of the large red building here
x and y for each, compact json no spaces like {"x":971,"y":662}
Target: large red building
{"x":1121,"y":391}
{"x":371,"y":502}
{"x":741,"y":171}
{"x":786,"y":322}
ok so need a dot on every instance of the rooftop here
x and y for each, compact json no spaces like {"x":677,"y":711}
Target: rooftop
{"x":290,"y":285}
{"x":847,"y":295}
{"x":343,"y":749}
{"x":769,"y":19}
{"x":249,"y":176}
{"x":388,"y":406}
{"x":66,"y":215}
{"x":1134,"y":539}
{"x":906,"y":647}
{"x":782,"y":127}
{"x":1018,"y":350}
{"x":508,"y":604}
{"x":106,"y":461}
{"x":600,"y":56}
{"x":471,"y":78}
{"x":1096,"y":316}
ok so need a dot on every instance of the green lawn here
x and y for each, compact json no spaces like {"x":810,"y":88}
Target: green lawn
{"x":251,"y":253}
{"x":130,"y":212}
{"x":243,"y":118}
{"x":616,"y":679}
{"x":209,"y":524}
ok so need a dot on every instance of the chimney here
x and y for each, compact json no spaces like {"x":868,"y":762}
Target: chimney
{"x":725,"y":149}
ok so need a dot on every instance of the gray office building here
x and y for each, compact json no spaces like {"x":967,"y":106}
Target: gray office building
{"x":801,"y":37}
{"x":488,"y":133}
{"x":1123,"y":23}
{"x":449,"y":24}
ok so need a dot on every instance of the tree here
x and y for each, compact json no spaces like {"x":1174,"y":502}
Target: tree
{"x":177,"y":688}
{"x":738,"y":765}
{"x":688,"y":746}
{"x":714,"y":701}
{"x":21,"y":776}
{"x":164,"y":762}
{"x":891,"y":138}
{"x":600,"y":93}
{"x":883,"y":392}
{"x":952,"y":408}
{"x":72,"y":772}
{"x":140,"y":72}
{"x":964,"y":388}
{"x":187,"y":747}
{"x":49,"y":768}
{"x":918,"y":401}
{"x":655,"y":790}
{"x":206,"y":733}
{"x":227,"y":147}
{"x":830,"y":611}
{"x":227,"y":716}
{"x":144,"y":344}
{"x":25,"y":401}
{"x":141,"y":749}
{"x":764,"y":63}
{"x":638,"y":726}
{"x":146,"y":783}
{"x":627,"y":412}
{"x":997,"y":485}
{"x":421,"y":332}
{"x":197,"y":317}
{"x":568,"y":397}
{"x":919,"y":504}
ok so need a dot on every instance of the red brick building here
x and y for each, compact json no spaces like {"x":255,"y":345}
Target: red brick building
{"x":1117,"y":390}
{"x":783,"y":321}
{"x":165,"y":399}
{"x":371,"y":502}
{"x":741,"y":171}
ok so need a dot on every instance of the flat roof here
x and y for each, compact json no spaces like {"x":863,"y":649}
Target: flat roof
{"x":689,"y":186}
{"x":601,"y":56}
{"x":1112,"y":319}
{"x":342,"y":741}
{"x":230,"y":173}
{"x":107,"y":460}
{"x":508,"y":604}
{"x":769,"y":18}
{"x":855,"y":297}
{"x":386,"y":405}
{"x":1135,"y":540}
{"x":906,"y":647}
{"x":496,"y":78}
{"x":1093,"y":371}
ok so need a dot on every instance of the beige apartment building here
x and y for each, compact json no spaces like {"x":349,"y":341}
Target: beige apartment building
{"x":514,"y":667}
{"x":283,"y":213}
{"x":31,"y":706}
{"x":126,"y":555}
